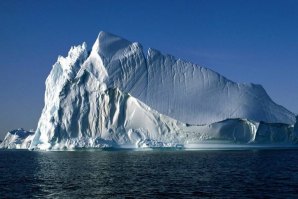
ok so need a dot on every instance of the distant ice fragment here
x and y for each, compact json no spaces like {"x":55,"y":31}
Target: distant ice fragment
{"x":17,"y":139}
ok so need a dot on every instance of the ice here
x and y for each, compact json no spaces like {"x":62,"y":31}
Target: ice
{"x":17,"y":139}
{"x":122,"y":121}
{"x":116,"y":96}
{"x":182,"y":90}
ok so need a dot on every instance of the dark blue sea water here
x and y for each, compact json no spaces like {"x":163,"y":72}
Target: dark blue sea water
{"x":149,"y":174}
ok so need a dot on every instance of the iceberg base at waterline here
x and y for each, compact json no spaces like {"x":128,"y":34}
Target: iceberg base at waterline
{"x":231,"y":133}
{"x":128,"y":123}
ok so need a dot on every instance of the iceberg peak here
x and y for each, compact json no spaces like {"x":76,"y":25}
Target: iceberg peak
{"x":107,"y":44}
{"x":75,"y":54}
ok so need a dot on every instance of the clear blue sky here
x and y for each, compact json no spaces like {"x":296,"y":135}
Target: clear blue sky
{"x":247,"y":41}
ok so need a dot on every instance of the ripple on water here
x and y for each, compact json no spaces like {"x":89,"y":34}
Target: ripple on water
{"x":149,"y":174}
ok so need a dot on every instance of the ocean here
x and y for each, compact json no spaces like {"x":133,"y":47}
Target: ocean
{"x":251,"y":173}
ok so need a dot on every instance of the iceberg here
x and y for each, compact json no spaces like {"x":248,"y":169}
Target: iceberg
{"x":118,"y":96}
{"x":17,"y":139}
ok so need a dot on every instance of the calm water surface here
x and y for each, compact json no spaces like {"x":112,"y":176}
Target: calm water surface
{"x":149,"y":174}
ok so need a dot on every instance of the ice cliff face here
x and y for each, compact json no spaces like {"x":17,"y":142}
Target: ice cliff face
{"x":116,"y":119}
{"x":87,"y":102}
{"x":17,"y":139}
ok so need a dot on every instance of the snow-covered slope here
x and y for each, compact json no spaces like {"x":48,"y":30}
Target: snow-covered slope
{"x":182,"y":90}
{"x":17,"y":139}
{"x":87,"y":105}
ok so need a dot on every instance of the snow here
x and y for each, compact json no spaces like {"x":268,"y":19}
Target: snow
{"x":17,"y":139}
{"x":115,"y":96}
{"x":182,"y":90}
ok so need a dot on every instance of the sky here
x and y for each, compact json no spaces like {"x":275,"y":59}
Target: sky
{"x":244,"y":40}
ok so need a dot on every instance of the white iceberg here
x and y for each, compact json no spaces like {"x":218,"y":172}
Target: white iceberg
{"x":116,"y":96}
{"x":17,"y":139}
